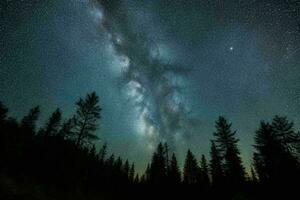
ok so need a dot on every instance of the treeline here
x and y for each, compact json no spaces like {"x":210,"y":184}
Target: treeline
{"x":275,"y":170}
{"x":59,"y":161}
{"x":60,"y":155}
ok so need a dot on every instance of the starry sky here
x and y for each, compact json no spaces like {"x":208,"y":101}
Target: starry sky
{"x":164,"y":70}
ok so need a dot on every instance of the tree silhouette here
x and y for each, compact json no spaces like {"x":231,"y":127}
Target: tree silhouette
{"x":53,"y":124}
{"x":102,"y":154}
{"x":66,"y":130}
{"x":191,"y":170}
{"x":227,"y":143}
{"x":285,"y":134}
{"x":174,"y":175}
{"x":216,"y":169}
{"x":126,"y":169}
{"x":85,"y":120}
{"x":265,"y":160}
{"x":54,"y":159}
{"x":131,"y":173}
{"x":158,"y":167}
{"x":274,"y":159}
{"x":28,"y":122}
{"x":146,"y":176}
{"x":204,"y":172}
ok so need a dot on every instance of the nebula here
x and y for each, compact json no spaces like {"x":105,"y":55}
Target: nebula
{"x":153,"y":84}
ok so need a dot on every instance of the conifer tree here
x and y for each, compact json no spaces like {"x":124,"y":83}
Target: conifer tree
{"x":158,"y":167}
{"x":53,"y":124}
{"x":66,"y":130}
{"x":204,"y":172}
{"x":191,"y":169}
{"x":285,"y":134}
{"x":227,"y":143}
{"x":85,"y":120}
{"x":131,"y":173}
{"x":102,"y":153}
{"x":28,"y":122}
{"x":126,"y":169}
{"x":267,"y":147}
{"x":274,"y":159}
{"x":174,"y":174}
{"x":216,"y":169}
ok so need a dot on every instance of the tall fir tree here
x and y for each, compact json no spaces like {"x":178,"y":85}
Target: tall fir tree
{"x":66,"y":130}
{"x":174,"y":175}
{"x":102,"y":153}
{"x":267,"y":148}
{"x":126,"y":169}
{"x":131,"y":173}
{"x":284,"y":132}
{"x":85,"y":119}
{"x":274,"y":159}
{"x":53,"y":124}
{"x":204,"y":172}
{"x":191,"y":170}
{"x":216,"y":167}
{"x":227,"y":143}
{"x":28,"y":123}
{"x":158,"y":167}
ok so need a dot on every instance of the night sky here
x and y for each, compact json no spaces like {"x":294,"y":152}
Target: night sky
{"x":164,"y":70}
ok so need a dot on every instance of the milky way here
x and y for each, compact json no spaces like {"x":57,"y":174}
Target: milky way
{"x":152,"y":83}
{"x":164,"y":70}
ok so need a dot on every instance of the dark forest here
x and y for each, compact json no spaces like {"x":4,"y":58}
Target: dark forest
{"x":59,"y":161}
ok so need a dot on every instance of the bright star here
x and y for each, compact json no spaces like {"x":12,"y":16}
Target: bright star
{"x":231,"y":48}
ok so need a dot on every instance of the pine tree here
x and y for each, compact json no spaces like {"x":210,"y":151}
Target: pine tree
{"x":131,"y":173}
{"x":174,"y":175}
{"x":274,"y":159}
{"x":204,"y":172}
{"x":53,"y":124}
{"x":285,"y":134}
{"x":102,"y":153}
{"x":85,"y":120}
{"x":66,"y":130}
{"x":158,"y":167}
{"x":110,"y":161}
{"x":126,"y":169}
{"x":216,"y":169}
{"x":267,"y":146}
{"x":28,"y":122}
{"x":117,"y":172}
{"x":227,"y":143}
{"x":191,"y":169}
